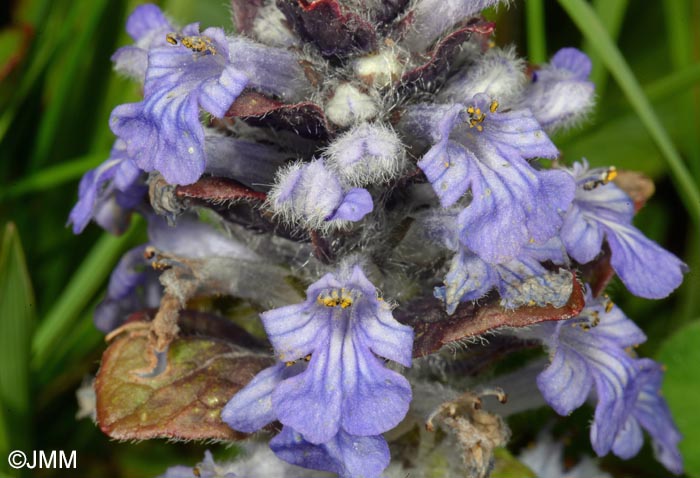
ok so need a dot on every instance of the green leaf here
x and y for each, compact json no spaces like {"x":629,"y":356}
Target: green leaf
{"x":81,"y":289}
{"x":507,"y":466}
{"x":593,"y":30}
{"x":680,"y":41}
{"x":16,"y":324}
{"x":617,"y":143}
{"x":184,"y":401}
{"x":681,"y":355}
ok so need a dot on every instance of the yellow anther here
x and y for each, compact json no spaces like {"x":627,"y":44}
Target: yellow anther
{"x":308,"y":358}
{"x":609,"y":306}
{"x":290,"y":363}
{"x":476,"y":117}
{"x":172,"y":38}
{"x":335,"y":298}
{"x":196,"y":43}
{"x":611,"y":174}
{"x":330,"y":302}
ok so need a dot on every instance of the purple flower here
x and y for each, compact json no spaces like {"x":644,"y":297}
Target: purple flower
{"x":344,"y":326}
{"x":588,"y":351}
{"x":163,"y":132}
{"x":520,"y":281}
{"x":560,"y":93}
{"x":108,"y":193}
{"x":650,"y":412}
{"x":347,"y":455}
{"x":147,"y":26}
{"x":338,"y":404}
{"x":602,"y":210}
{"x":479,"y":149}
{"x":310,"y":194}
{"x":133,"y":286}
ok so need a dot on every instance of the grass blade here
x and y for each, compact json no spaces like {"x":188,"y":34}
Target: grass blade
{"x":611,"y":14}
{"x":16,"y":325}
{"x":536,"y":36}
{"x":680,"y":41}
{"x":53,"y":176}
{"x":65,"y":83}
{"x":593,"y":30}
{"x":81,"y":289}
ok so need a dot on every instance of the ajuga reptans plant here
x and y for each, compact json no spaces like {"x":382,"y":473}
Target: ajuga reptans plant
{"x":343,"y":195}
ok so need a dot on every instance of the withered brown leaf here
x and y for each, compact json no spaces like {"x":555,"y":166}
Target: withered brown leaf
{"x":185,"y":401}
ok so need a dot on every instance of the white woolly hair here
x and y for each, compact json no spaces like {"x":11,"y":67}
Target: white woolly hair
{"x":270,"y":27}
{"x":289,"y":212}
{"x":355,"y":165}
{"x":571,"y":113}
{"x":349,"y":105}
{"x":499,"y":73}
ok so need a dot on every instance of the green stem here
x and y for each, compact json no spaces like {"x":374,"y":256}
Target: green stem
{"x":536,"y":36}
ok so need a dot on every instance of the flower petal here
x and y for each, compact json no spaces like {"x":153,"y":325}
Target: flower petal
{"x":311,"y":402}
{"x":653,"y":414}
{"x":583,"y":236}
{"x":567,"y":381}
{"x":519,"y":130}
{"x":144,"y":20}
{"x":469,"y":278}
{"x":375,"y":399}
{"x":647,"y":269}
{"x":356,"y":204}
{"x":511,"y":202}
{"x":447,"y":167}
{"x":294,"y":330}
{"x":347,"y":455}
{"x":251,"y":408}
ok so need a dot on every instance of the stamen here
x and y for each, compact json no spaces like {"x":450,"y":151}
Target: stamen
{"x":196,"y":43}
{"x":604,"y":178}
{"x":477,"y":117}
{"x":334,"y":299}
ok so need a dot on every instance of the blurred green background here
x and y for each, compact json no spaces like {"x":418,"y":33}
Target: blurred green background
{"x":57,"y":90}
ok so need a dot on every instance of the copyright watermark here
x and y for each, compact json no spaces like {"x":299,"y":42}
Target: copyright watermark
{"x":49,"y":460}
